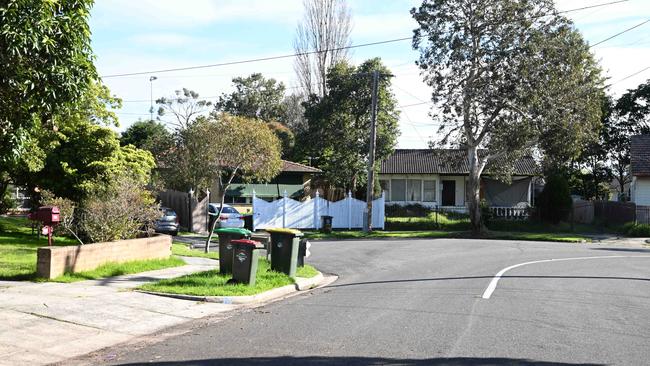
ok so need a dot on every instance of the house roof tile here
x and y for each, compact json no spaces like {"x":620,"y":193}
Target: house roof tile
{"x":290,"y":166}
{"x":640,"y":155}
{"x":443,"y":161}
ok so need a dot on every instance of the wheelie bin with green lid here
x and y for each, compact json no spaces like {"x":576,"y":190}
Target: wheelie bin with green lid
{"x":226,"y":235}
{"x":245,"y":259}
{"x":284,"y":250}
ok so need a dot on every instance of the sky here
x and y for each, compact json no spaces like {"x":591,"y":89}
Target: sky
{"x":145,"y":35}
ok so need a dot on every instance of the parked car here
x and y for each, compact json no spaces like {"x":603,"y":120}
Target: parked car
{"x":168,"y":222}
{"x":230,"y":217}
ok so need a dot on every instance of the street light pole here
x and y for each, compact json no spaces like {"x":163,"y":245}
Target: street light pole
{"x":151,"y":79}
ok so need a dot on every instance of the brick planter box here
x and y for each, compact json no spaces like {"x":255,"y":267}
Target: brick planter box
{"x":55,"y":261}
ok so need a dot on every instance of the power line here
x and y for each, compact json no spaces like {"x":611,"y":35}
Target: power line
{"x":619,"y":33}
{"x":631,"y":75}
{"x":318,"y":51}
{"x":258,"y":59}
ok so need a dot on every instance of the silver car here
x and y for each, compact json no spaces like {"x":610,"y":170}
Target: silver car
{"x":168,"y":222}
{"x":230,"y":217}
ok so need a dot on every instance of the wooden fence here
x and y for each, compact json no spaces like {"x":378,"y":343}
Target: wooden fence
{"x":192,"y":213}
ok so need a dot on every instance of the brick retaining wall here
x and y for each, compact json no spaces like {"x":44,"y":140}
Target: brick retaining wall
{"x":55,"y":261}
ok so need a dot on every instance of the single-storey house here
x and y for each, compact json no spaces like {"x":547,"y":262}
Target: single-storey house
{"x":294,"y":179}
{"x":640,"y":169}
{"x":438,"y":178}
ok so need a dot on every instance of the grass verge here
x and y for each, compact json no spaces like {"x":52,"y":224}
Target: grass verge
{"x":558,"y":237}
{"x":212,"y":283}
{"x":119,"y":269}
{"x":182,"y":249}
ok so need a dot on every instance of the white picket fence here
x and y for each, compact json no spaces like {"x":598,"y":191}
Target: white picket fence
{"x":347,"y":213}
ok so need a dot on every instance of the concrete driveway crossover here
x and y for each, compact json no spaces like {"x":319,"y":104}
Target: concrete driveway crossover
{"x":421,"y":302}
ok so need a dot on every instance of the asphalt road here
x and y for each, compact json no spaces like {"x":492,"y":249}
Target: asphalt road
{"x":420,"y":302}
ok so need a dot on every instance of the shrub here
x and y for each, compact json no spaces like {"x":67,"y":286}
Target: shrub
{"x":555,"y":200}
{"x":123,"y":211}
{"x":636,"y":230}
{"x":411,"y":210}
{"x":6,"y":202}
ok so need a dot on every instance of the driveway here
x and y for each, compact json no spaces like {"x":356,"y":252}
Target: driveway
{"x":422,"y":302}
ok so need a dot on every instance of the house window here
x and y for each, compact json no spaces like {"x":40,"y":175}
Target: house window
{"x":384,"y":183}
{"x":429,"y":191}
{"x":414,"y":190}
{"x":398,"y":190}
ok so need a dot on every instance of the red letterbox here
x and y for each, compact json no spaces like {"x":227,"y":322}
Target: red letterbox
{"x":48,"y":215}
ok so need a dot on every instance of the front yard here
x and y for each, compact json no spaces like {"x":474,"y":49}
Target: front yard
{"x":18,"y":256}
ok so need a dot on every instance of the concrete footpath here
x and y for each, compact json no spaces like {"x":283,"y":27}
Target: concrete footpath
{"x":42,"y":323}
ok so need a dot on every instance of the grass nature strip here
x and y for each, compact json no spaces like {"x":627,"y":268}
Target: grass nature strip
{"x":431,"y":234}
{"x":212,"y":283}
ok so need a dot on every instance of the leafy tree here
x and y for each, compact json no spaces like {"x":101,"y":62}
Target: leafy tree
{"x":84,"y":158}
{"x":184,"y":107}
{"x":242,"y":147}
{"x":254,"y":97}
{"x":286,"y":137}
{"x":187,"y":164}
{"x":506,"y":76}
{"x":148,"y":135}
{"x":630,"y":115}
{"x":294,"y":113}
{"x":47,"y":65}
{"x":339,"y":123}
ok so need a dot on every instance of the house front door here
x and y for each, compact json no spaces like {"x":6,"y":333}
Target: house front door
{"x":448,"y":193}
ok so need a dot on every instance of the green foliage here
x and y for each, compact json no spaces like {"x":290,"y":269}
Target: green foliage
{"x":83,"y":158}
{"x":636,"y":230}
{"x":148,"y":135}
{"x":286,"y":137}
{"x":183,"y":107}
{"x":507,"y":76}
{"x":6,"y":202}
{"x":47,"y":66}
{"x":338,"y":123}
{"x":555,"y":201}
{"x":254,"y":97}
{"x":215,"y":148}
{"x":446,"y":221}
{"x":124,"y":210}
{"x":410,"y":210}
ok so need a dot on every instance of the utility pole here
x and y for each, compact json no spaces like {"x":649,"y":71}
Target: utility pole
{"x":367,"y":225}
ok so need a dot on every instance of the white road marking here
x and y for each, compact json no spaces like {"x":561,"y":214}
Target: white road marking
{"x":493,"y":284}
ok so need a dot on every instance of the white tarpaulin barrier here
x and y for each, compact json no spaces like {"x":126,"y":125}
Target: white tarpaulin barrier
{"x":347,"y":213}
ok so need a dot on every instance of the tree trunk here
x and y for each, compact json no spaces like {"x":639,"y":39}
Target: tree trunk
{"x":473,"y":193}
{"x":214,"y":224}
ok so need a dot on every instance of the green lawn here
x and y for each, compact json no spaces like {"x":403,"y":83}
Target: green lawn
{"x":504,"y":235}
{"x":18,"y":249}
{"x":119,"y":269}
{"x":182,"y":249}
{"x":211,"y":283}
{"x":18,"y":256}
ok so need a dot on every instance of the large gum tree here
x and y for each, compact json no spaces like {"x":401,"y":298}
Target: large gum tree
{"x":507,"y":76}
